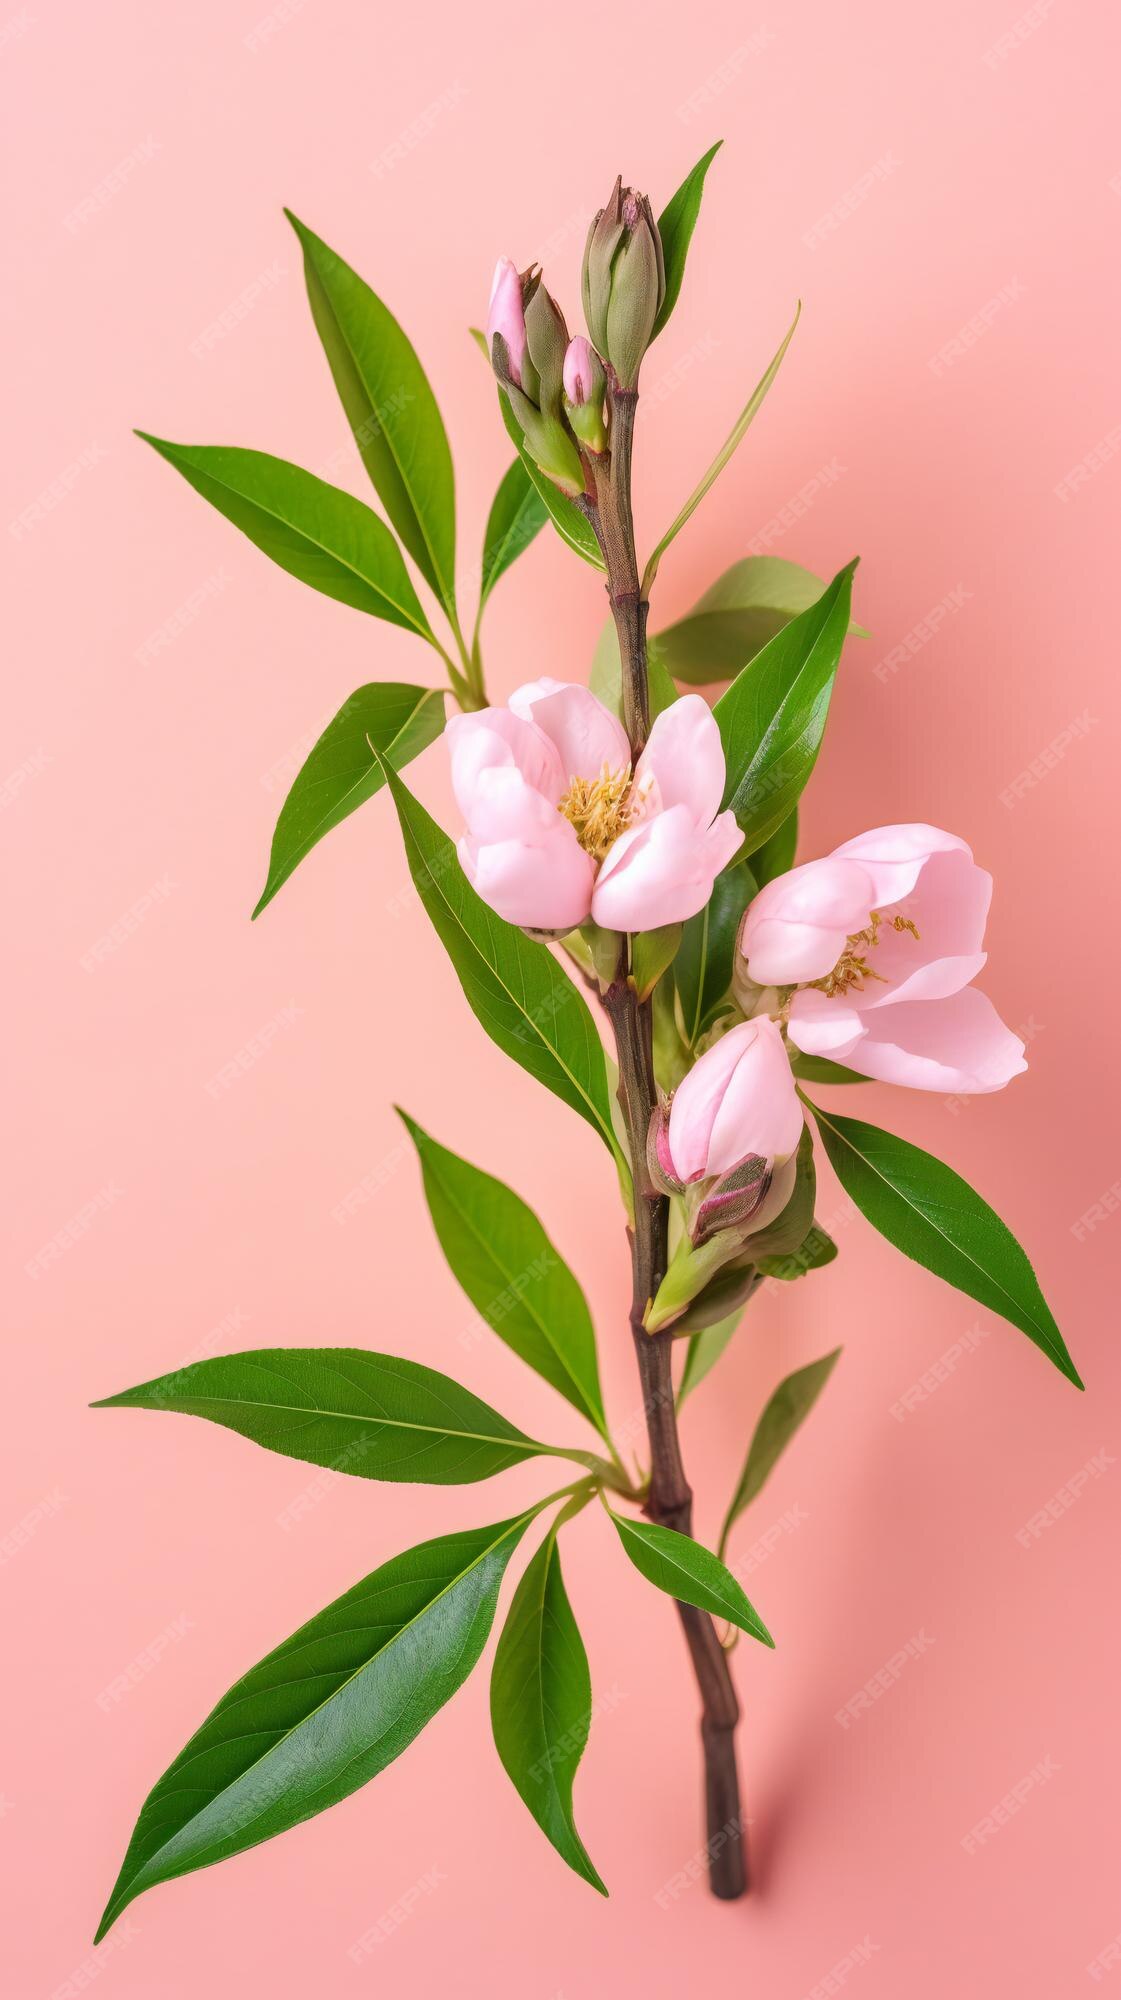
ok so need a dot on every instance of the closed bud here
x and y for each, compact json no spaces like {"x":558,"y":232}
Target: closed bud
{"x":547,"y":341}
{"x":585,"y":386}
{"x":659,"y":1159}
{"x":624,"y":281}
{"x":510,"y":294}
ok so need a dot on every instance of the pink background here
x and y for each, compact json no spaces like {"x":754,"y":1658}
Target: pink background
{"x":420,"y":146}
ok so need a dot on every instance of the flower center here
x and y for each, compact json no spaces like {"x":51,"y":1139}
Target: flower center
{"x":852,"y":968}
{"x":599,"y":809}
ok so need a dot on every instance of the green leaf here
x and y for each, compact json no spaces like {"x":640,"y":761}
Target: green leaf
{"x":390,"y":407}
{"x":341,"y":772}
{"x":571,"y":525}
{"x":606,"y":677}
{"x":377,"y":1416}
{"x":932,"y":1215}
{"x":675,"y":227}
{"x":703,"y":966}
{"x":513,"y":1275}
{"x":515,"y":989}
{"x":731,"y":444}
{"x":318,"y":533}
{"x":815,"y":1250}
{"x":787,"y":1409}
{"x":772,"y":718}
{"x":652,"y":954}
{"x":736,"y":617}
{"x":777,"y":853}
{"x":541,"y":1704}
{"x":819,"y":1069}
{"x":683,"y":1569}
{"x":326,"y":1711}
{"x":705,"y":1349}
{"x":517,"y":514}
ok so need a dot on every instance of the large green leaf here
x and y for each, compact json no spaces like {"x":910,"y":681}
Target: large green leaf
{"x":683,"y":1569}
{"x":391,"y":409}
{"x":571,"y":525}
{"x":341,"y":772}
{"x":541,"y":1704}
{"x":675,"y":227}
{"x":512,"y":1273}
{"x":318,"y":533}
{"x":819,"y":1069}
{"x":516,"y":990}
{"x":517,"y":514}
{"x":375,"y":1415}
{"x":787,"y":1409}
{"x":702,"y":970}
{"x":736,"y":617}
{"x":326,"y":1711}
{"x":772,"y":718}
{"x":932,"y":1215}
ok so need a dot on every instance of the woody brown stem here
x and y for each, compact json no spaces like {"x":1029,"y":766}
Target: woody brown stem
{"x":670,"y":1500}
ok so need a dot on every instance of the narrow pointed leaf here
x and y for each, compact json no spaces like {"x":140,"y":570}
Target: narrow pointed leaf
{"x":786,"y":1410}
{"x":517,"y":514}
{"x":326,"y":1711}
{"x":772,"y":718}
{"x":315,"y":531}
{"x":932,"y":1215}
{"x":512,"y":1273}
{"x":541,"y":1704}
{"x":676,"y":224}
{"x":377,"y":1416}
{"x":516,"y":990}
{"x":341,"y":772}
{"x":727,"y":450}
{"x":683,"y":1569}
{"x":736,"y":617}
{"x":390,"y":407}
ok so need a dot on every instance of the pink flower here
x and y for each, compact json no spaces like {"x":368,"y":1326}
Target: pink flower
{"x":583,"y":371}
{"x":882,"y":938}
{"x":506,"y":315}
{"x":559,"y":828}
{"x":737,"y":1103}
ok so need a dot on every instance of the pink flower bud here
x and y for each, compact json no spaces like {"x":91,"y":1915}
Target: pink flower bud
{"x":507,"y":315}
{"x":584,"y":380}
{"x":737,"y":1103}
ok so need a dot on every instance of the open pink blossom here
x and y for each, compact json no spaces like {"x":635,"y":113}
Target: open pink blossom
{"x":560,"y":829}
{"x":882,"y":939}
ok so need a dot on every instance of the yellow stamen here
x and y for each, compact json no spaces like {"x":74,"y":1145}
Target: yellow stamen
{"x":852,"y":968}
{"x":599,"y":809}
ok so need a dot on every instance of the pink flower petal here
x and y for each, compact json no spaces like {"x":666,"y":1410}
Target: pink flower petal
{"x":894,"y":856}
{"x":586,"y":736}
{"x":958,"y":1044}
{"x":683,"y":762}
{"x":662,"y":870}
{"x":820,"y":1026}
{"x":948,"y":906}
{"x":798,"y":924}
{"x":494,"y":738}
{"x":545,"y":887}
{"x":759,"y":1111}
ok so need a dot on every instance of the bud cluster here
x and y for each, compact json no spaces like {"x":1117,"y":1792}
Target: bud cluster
{"x":560,"y":389}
